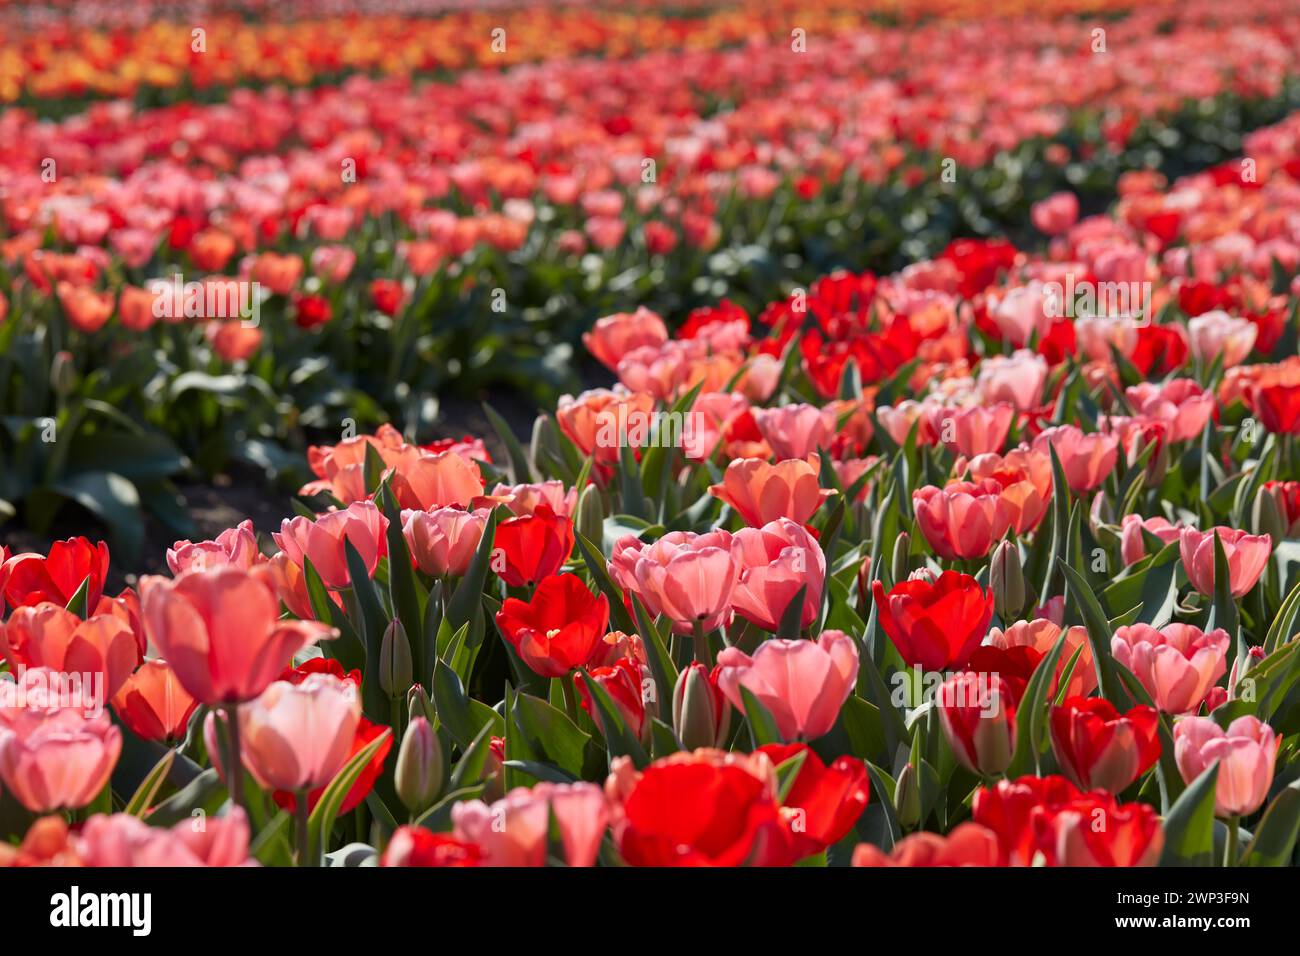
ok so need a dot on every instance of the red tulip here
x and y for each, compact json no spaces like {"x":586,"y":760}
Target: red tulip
{"x":47,"y":635}
{"x":824,"y":803}
{"x":1098,"y":749}
{"x":418,"y":846}
{"x":1010,"y":807}
{"x":623,"y":682}
{"x":30,"y":578}
{"x":706,"y":808}
{"x":977,"y":713}
{"x":1097,"y":830}
{"x":532,"y":547}
{"x":559,"y":628}
{"x":935,"y":624}
{"x":1278,"y":407}
{"x":152,"y":703}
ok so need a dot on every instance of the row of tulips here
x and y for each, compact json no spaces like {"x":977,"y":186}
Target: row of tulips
{"x":747,"y":607}
{"x":372,"y":289}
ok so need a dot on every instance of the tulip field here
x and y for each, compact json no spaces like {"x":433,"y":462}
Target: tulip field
{"x":740,"y":433}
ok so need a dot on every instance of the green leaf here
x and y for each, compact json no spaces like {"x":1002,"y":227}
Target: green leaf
{"x":549,"y":733}
{"x":1189,"y":825}
{"x":465,"y":605}
{"x":1275,"y":836}
{"x":521,"y":469}
{"x":322,"y":818}
{"x":1099,"y":635}
{"x":791,"y":617}
{"x":144,"y":794}
{"x":1032,"y":717}
{"x":762,"y":725}
{"x":619,"y":740}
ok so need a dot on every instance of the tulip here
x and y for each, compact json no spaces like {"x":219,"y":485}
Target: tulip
{"x":443,"y":541}
{"x":1025,"y":479}
{"x":532,"y":547}
{"x":1017,"y":379}
{"x":977,"y":713}
{"x":419,"y":846}
{"x":824,"y":803}
{"x":418,"y":776}
{"x":559,"y":629}
{"x":1041,"y":635}
{"x":1182,"y":405}
{"x":221,"y":632}
{"x":962,"y":520}
{"x":1097,"y":830}
{"x":803,"y":684}
{"x":1246,"y":753}
{"x":1278,"y":407}
{"x":513,"y":830}
{"x":122,"y":840}
{"x":1021,"y":311}
{"x":324,"y":541}
{"x":1085,"y":459}
{"x":31,"y":578}
{"x":761,"y":492}
{"x":1013,"y":810}
{"x":1217,"y":332}
{"x":796,"y":431}
{"x":1247,"y":556}
{"x":613,"y":336}
{"x":623,"y":682}
{"x":1007,"y":581}
{"x":57,"y":758}
{"x":733,"y":818}
{"x":701,"y":711}
{"x":425,"y":482}
{"x":1177,"y":665}
{"x":395,"y":660}
{"x":935,"y":624}
{"x":524,"y":499}
{"x":47,"y":635}
{"x":1098,"y":749}
{"x":978,"y":430}
{"x":152,"y":703}
{"x":237,"y":546}
{"x":1132,"y":544}
{"x":685,"y":577}
{"x":775,"y":562}
{"x":969,"y":844}
{"x":297,"y":737}
{"x":1055,"y":214}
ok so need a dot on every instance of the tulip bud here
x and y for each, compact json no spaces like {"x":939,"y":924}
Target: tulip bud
{"x":979,"y":721}
{"x":899,"y":566}
{"x":1266,"y":516}
{"x":589,"y":519}
{"x":543,"y":441}
{"x":701,"y":713}
{"x":1007,"y":581}
{"x":907,"y":798}
{"x":63,"y":373}
{"x":418,"y":704}
{"x":418,"y":775}
{"x":395,"y":660}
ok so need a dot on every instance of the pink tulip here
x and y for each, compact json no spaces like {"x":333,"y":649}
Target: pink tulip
{"x":1055,"y":214}
{"x":1022,"y":311}
{"x":1218,"y":332}
{"x":802,"y":683}
{"x":220,"y":630}
{"x":124,"y":840}
{"x":513,"y":830}
{"x":1132,"y":545}
{"x":1178,"y":664}
{"x":1018,"y":378}
{"x":237,"y":546}
{"x":443,"y":541}
{"x":963,"y":519}
{"x":1041,"y":634}
{"x":296,"y":737}
{"x":423,"y":482}
{"x":56,"y":757}
{"x":1246,"y":753}
{"x":1247,"y":556}
{"x":1085,"y":459}
{"x":796,"y":431}
{"x":978,"y":430}
{"x":524,"y":499}
{"x":686,"y":577}
{"x":1182,"y":405}
{"x":322,"y":541}
{"x":774,"y":562}
{"x":762,"y":492}
{"x":898,"y":420}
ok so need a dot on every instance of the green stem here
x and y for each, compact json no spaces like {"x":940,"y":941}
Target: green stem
{"x":703,"y":649}
{"x":302,"y":814}
{"x":570,"y":701}
{"x":1230,"y":850}
{"x":234,"y":759}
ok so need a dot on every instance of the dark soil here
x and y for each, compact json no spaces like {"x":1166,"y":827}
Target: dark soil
{"x":225,"y":500}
